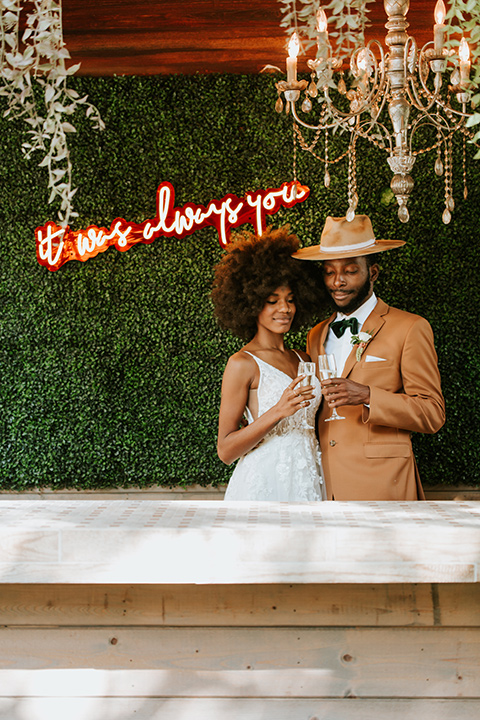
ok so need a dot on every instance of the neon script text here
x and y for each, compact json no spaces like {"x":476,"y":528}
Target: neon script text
{"x":56,"y":245}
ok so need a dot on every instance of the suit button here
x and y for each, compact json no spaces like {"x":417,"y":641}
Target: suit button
{"x":332,"y":443}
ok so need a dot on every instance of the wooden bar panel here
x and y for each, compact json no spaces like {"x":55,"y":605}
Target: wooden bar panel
{"x":78,"y":683}
{"x":261,"y":643}
{"x":255,"y":605}
{"x":109,"y":708}
{"x":264,"y":662}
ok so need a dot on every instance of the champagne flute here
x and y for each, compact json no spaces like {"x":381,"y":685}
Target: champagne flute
{"x":307,"y":369}
{"x":327,"y":368}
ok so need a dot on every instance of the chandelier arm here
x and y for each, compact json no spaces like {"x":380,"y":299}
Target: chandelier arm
{"x":436,"y":120}
{"x":320,"y":126}
{"x":435,"y":100}
{"x":379,"y":68}
{"x":415,"y":100}
{"x":410,"y":84}
{"x":450,"y":131}
{"x":366,"y":103}
{"x":445,"y":106}
{"x":358,"y":130}
{"x":439,"y":123}
{"x":379,"y":85}
{"x":372,"y":97}
{"x":339,"y":115}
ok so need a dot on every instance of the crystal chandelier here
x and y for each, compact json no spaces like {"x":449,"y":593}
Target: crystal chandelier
{"x":387,"y":98}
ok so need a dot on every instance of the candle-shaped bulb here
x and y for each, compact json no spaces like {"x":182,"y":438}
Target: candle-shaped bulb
{"x":440,"y":12}
{"x":322,"y":20}
{"x":464,"y":51}
{"x":439,"y":28}
{"x":293,"y":48}
{"x":322,"y":35}
{"x":464,"y":54}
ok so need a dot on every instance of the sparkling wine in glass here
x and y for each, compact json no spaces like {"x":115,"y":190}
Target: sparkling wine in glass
{"x":307,"y":369}
{"x":327,"y":368}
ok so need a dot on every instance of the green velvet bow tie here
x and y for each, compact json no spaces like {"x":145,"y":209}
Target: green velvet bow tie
{"x":340,"y":326}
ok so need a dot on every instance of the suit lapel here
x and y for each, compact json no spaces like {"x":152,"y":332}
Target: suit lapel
{"x":372,"y":325}
{"x":324,"y":333}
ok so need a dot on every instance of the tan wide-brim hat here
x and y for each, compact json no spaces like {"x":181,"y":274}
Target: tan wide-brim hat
{"x":343,"y":239}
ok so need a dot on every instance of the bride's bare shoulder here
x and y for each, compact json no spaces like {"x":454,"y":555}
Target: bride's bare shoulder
{"x":241,"y":359}
{"x":241,"y":371}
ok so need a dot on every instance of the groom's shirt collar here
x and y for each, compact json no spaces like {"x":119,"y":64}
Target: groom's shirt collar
{"x":341,"y":347}
{"x":362,"y":312}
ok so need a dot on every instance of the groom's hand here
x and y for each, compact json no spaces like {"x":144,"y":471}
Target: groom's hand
{"x":342,"y":391}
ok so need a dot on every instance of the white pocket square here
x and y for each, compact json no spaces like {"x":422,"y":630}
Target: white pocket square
{"x":374,"y":358}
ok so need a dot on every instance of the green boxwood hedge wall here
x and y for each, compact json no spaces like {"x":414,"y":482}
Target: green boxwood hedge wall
{"x":110,"y":370}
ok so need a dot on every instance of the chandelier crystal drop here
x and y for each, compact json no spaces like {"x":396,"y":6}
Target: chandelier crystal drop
{"x":388,"y":98}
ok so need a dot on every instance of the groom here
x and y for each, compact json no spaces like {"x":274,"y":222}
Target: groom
{"x":388,"y":383}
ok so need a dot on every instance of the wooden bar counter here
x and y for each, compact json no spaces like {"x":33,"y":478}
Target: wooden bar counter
{"x":205,"y":610}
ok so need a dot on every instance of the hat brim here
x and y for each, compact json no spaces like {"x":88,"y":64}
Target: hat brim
{"x":313,"y":252}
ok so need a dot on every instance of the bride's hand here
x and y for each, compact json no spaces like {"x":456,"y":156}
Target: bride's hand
{"x":295,"y":397}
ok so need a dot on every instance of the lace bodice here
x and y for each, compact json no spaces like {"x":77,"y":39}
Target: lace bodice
{"x":271,"y":385}
{"x":286,"y":465}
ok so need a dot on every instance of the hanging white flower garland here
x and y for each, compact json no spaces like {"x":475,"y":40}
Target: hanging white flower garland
{"x":38,"y":58}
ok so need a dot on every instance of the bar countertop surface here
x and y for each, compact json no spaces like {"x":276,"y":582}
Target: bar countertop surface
{"x":198,"y":542}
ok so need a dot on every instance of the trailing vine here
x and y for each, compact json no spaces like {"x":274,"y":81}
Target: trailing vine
{"x":463,"y":19}
{"x":347,"y":18}
{"x":32,"y":69}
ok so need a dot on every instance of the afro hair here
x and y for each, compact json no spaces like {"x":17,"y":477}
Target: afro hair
{"x":252,"y":269}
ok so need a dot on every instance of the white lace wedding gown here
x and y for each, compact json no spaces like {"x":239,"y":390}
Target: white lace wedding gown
{"x":286,"y":465}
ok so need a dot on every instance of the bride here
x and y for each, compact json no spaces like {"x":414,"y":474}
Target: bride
{"x":259,"y":294}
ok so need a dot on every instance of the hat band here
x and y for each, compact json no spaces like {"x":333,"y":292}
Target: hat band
{"x":346,"y":248}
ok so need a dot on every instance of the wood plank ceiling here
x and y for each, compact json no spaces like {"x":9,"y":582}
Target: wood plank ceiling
{"x":154,"y":37}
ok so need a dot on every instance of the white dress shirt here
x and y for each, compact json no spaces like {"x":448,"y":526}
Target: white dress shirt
{"x":342,"y":347}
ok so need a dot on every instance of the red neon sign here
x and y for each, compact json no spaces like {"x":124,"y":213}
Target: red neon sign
{"x":57,"y":245}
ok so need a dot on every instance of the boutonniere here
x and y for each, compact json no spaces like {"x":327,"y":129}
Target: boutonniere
{"x":361,"y":341}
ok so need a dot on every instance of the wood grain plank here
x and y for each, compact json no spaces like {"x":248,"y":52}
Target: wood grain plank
{"x":265,"y":662}
{"x":143,"y":42}
{"x":108,"y":708}
{"x":63,"y":683}
{"x":243,"y":605}
{"x":88,"y":23}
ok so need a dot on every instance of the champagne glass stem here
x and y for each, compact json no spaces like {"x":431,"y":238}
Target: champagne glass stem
{"x":328,"y":370}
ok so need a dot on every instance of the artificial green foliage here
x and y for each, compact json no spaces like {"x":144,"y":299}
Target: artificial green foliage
{"x":111,"y":369}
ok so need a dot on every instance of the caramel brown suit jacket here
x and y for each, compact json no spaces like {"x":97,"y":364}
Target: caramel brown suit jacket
{"x":368,"y":456}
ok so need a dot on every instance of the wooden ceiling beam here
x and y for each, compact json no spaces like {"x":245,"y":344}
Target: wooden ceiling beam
{"x":126,"y":37}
